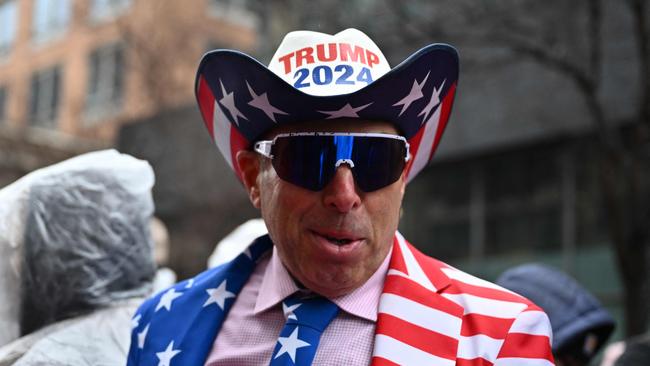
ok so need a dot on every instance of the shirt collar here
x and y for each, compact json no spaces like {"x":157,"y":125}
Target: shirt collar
{"x":362,"y":302}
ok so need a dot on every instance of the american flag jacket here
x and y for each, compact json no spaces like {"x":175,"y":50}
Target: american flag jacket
{"x":429,"y":314}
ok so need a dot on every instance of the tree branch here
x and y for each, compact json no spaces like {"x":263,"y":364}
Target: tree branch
{"x":594,"y":20}
{"x":639,"y":10}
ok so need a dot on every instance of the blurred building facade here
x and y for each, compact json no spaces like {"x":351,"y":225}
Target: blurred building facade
{"x":73,"y":71}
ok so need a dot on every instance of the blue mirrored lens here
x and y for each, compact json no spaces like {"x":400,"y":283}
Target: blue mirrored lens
{"x":311,"y":161}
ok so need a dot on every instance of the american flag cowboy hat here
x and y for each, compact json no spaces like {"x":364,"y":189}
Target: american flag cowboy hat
{"x":316,"y":76}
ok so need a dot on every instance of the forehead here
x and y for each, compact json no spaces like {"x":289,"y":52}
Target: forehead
{"x":336,"y":125}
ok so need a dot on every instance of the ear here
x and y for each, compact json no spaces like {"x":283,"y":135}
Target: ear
{"x":249,"y":166}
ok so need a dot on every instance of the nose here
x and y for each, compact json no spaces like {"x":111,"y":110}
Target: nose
{"x":341,"y":193}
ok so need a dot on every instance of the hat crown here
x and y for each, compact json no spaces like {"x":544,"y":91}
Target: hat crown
{"x":322,"y":64}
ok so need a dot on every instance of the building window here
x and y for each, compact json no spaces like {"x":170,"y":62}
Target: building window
{"x":45,"y":97}
{"x":495,"y":205}
{"x":592,"y":227}
{"x":105,"y":82}
{"x":3,"y":105}
{"x":523,"y":202}
{"x":102,"y":10}
{"x":236,"y":11}
{"x":51,"y":19}
{"x":436,"y":211}
{"x":8,"y":16}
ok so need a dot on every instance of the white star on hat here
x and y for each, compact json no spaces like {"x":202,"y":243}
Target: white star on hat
{"x":290,"y":344}
{"x":166,"y":356}
{"x":218,"y":295}
{"x":167,"y":298}
{"x":262,"y":102}
{"x":142,"y":336}
{"x":288,"y":310}
{"x":434,"y":101}
{"x":345,"y":111}
{"x":228,"y":102}
{"x":413,"y":95}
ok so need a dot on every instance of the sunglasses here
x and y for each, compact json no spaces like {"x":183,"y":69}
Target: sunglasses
{"x":310,"y":159}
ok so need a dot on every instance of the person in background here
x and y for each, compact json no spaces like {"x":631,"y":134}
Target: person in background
{"x":165,"y":276}
{"x":612,"y":352}
{"x":236,"y":242}
{"x":636,"y":353}
{"x":80,"y":238}
{"x":581,"y":325}
{"x":324,"y":141}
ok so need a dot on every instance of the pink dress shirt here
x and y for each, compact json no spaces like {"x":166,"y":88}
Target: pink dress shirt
{"x":250,"y":332}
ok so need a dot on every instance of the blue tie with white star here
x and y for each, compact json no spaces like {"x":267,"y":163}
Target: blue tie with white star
{"x":306,"y":320}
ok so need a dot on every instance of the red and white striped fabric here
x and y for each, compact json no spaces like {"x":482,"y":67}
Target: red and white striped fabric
{"x":228,"y":140}
{"x":433,"y":314}
{"x":425,"y":142}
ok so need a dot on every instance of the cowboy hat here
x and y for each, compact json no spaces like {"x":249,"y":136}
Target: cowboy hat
{"x":316,"y":76}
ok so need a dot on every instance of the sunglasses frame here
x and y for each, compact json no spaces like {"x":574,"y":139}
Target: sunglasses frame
{"x":264,"y":147}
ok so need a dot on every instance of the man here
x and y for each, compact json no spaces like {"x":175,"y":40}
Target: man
{"x":325,"y":140}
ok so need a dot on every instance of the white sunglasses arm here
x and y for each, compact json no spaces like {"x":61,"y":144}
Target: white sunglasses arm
{"x":264,"y":148}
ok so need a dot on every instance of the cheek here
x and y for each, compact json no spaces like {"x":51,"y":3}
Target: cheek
{"x":384,"y":214}
{"x":282,"y":207}
{"x":387,"y":207}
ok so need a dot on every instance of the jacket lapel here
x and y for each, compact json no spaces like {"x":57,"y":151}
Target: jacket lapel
{"x":212,"y":296}
{"x":415,"y":324}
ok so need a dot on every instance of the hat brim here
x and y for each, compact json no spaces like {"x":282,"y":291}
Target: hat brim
{"x":241,"y":100}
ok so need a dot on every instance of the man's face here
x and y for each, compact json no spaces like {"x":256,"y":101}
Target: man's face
{"x":308,"y":228}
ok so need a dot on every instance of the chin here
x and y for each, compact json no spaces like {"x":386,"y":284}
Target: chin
{"x":334,"y":286}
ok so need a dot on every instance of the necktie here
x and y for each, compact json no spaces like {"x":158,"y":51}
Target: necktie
{"x":306,"y":321}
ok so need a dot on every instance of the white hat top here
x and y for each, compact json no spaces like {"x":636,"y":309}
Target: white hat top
{"x":323,"y":64}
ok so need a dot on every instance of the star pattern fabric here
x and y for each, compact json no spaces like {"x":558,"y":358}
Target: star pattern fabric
{"x":135,"y":321}
{"x":290,"y":345}
{"x":433,"y":102}
{"x":307,"y":318}
{"x":262,"y":103}
{"x":347,"y":111}
{"x":162,"y":337}
{"x":167,"y":298}
{"x":288,"y":310}
{"x":165,"y":357}
{"x":413,"y":95}
{"x":142,"y":336}
{"x":218,"y":295}
{"x":228,"y":101}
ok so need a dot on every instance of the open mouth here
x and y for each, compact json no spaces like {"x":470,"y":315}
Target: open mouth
{"x":336,"y":239}
{"x":338,"y":247}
